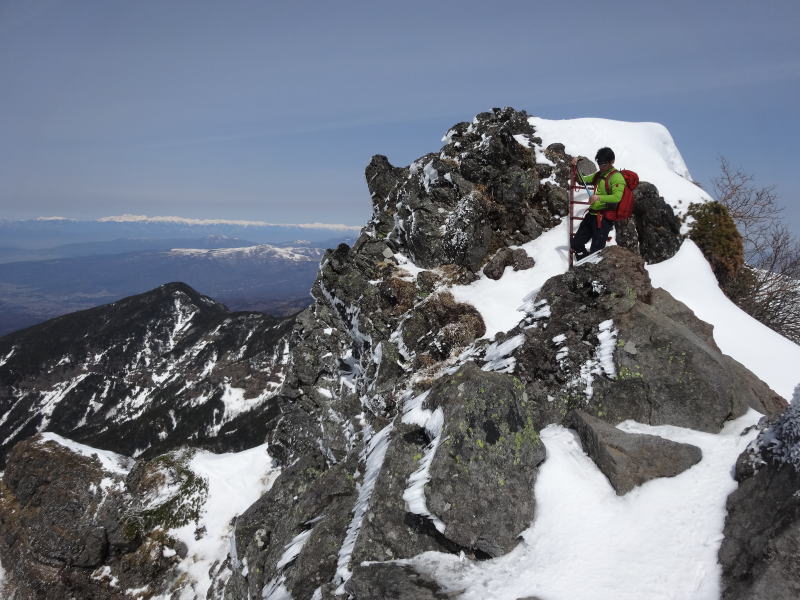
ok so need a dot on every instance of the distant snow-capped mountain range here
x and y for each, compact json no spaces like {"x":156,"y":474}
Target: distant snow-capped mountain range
{"x":263,"y":277}
{"x":258,"y":252}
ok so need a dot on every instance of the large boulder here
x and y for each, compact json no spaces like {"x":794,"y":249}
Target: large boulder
{"x":658,"y":229}
{"x":488,"y":447}
{"x":630,"y":459}
{"x":437,"y":487}
{"x":506,"y":257}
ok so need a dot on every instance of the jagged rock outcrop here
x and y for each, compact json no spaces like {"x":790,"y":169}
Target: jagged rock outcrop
{"x":480,"y":193}
{"x":389,"y":343}
{"x":143,"y":375}
{"x":395,"y":421}
{"x":630,"y":459}
{"x":760,"y":553}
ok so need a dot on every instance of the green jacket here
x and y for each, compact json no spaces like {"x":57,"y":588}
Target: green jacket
{"x":608,"y":198}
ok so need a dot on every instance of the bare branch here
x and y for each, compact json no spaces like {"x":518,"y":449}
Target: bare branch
{"x":769,"y":288}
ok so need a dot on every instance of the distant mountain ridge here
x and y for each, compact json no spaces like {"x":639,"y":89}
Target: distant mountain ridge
{"x":149,"y":371}
{"x":118,"y":246}
{"x":264,"y":277}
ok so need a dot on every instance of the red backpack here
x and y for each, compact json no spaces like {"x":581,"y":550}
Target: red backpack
{"x":624,"y":208}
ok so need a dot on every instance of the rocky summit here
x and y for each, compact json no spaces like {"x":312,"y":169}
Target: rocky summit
{"x":387,"y":420}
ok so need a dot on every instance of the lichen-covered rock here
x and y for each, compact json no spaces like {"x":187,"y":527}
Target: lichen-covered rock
{"x":630,"y":459}
{"x":485,"y":449}
{"x":482,"y":476}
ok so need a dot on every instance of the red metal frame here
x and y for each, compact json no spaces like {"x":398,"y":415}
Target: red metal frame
{"x":573,"y":185}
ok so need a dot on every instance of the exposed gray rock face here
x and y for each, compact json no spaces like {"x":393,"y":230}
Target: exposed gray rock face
{"x":658,"y":229}
{"x":628,"y":459}
{"x":391,"y":581}
{"x":760,"y":554}
{"x":306,"y":499}
{"x":488,"y":446}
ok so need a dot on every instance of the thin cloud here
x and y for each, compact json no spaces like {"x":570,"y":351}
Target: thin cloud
{"x":190,"y":221}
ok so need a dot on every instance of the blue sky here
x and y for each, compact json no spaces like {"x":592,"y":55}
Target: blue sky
{"x":271,"y":110}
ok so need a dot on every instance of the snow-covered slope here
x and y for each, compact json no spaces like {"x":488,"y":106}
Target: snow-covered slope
{"x":687,"y":276}
{"x":647,"y":148}
{"x":772,"y":357}
{"x":235,"y":480}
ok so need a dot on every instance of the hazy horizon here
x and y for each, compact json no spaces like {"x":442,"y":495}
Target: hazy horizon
{"x":271,"y":111}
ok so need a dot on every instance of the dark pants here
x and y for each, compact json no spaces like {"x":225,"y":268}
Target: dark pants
{"x":589,"y":230}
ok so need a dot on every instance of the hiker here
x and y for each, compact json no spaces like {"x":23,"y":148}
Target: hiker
{"x":600,"y":217}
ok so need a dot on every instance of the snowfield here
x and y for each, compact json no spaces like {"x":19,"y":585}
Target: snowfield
{"x":259,"y":252}
{"x":647,"y":148}
{"x":772,"y":357}
{"x":235,"y":481}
